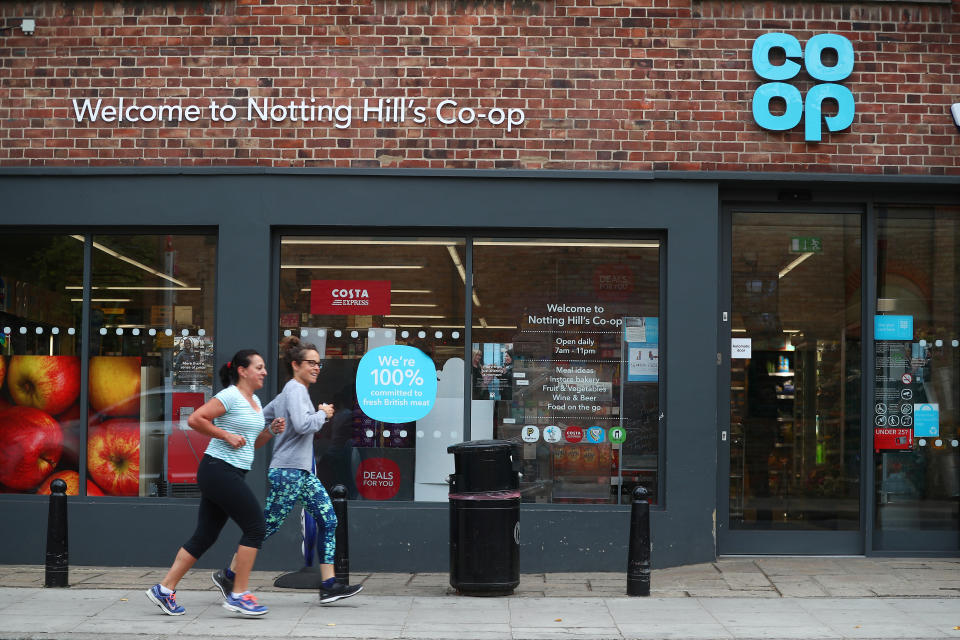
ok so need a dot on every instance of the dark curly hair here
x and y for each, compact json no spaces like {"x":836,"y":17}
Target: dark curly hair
{"x":293,"y":350}
{"x":228,"y":372}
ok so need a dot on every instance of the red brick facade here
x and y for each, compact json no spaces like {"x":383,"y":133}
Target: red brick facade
{"x":603,"y":84}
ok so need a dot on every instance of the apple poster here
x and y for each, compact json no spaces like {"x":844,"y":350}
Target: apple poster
{"x":40,"y":424}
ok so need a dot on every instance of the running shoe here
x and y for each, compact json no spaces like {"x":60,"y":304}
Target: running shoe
{"x":338,"y":591}
{"x":167,"y":603}
{"x":222,"y":582}
{"x":245,"y":603}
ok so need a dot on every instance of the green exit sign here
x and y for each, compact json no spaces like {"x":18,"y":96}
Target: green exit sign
{"x":805,"y":245}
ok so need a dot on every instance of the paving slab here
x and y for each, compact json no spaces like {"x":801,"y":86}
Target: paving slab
{"x":737,"y":599}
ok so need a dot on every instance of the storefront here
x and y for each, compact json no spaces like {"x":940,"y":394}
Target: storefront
{"x":772,"y":351}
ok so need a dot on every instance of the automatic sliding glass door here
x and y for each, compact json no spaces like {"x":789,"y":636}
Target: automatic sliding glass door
{"x":795,"y":384}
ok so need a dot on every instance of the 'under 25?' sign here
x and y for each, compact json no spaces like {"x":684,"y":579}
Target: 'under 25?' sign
{"x":796,"y":104}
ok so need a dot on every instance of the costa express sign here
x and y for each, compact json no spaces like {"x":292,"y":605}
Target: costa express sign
{"x":798,"y":107}
{"x":350,"y":297}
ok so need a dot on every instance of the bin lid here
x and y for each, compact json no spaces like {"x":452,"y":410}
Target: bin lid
{"x":478,"y":446}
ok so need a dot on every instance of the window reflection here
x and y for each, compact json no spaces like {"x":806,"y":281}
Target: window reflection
{"x":349,"y":296}
{"x":918,"y":378}
{"x":565,"y":362}
{"x":795,"y":388}
{"x":39,"y":362}
{"x":151,"y":361}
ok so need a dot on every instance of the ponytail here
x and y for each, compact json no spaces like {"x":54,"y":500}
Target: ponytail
{"x":292,"y":350}
{"x":228,"y":372}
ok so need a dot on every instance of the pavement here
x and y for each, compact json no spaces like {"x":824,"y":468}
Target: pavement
{"x":742,"y":598}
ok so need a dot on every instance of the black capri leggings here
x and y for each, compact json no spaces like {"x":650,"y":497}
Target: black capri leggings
{"x":224,"y":495}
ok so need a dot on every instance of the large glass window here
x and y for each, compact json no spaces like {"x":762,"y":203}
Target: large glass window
{"x":39,"y":362}
{"x":795,"y":372}
{"x":355,"y":296}
{"x":565,"y":362}
{"x":917,"y":403}
{"x":151,"y":361}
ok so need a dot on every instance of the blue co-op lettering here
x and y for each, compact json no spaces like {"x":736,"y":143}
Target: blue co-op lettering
{"x":796,"y":104}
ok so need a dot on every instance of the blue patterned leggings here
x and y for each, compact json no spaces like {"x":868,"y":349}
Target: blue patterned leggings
{"x":287,"y":486}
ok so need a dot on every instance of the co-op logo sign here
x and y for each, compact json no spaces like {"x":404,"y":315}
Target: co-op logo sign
{"x":809,"y":108}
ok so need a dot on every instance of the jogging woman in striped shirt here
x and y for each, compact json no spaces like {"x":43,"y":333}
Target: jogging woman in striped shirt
{"x":234,"y":420}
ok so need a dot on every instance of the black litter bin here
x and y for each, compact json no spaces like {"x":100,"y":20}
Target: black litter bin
{"x":485,"y":517}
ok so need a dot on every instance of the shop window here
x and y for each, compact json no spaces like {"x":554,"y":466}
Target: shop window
{"x":400,"y":303}
{"x":565,"y":362}
{"x":39,"y":362}
{"x":151,"y":348}
{"x":916,"y":418}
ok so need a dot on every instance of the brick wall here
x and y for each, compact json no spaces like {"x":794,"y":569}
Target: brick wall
{"x":603,"y":84}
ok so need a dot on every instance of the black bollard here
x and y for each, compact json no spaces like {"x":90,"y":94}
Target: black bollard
{"x":638,"y":557}
{"x":57,"y":570}
{"x":341,"y":557}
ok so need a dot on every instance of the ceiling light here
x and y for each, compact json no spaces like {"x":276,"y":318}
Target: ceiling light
{"x":402,"y":315}
{"x":308,"y":289}
{"x":793,"y":265}
{"x":139,"y":265}
{"x":565,"y":243}
{"x":412,"y":304}
{"x":463,"y":274}
{"x":355,"y":241}
{"x":76,"y":288}
{"x":101,"y":299}
{"x":351,"y":266}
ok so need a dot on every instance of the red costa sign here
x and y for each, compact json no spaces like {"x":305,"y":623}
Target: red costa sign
{"x":378,"y":478}
{"x":573,"y":434}
{"x":350,"y":297}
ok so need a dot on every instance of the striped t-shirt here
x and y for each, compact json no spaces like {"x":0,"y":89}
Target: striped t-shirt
{"x":240,"y":419}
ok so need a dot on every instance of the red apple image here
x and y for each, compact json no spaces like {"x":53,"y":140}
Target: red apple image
{"x":93,"y":490}
{"x":72,"y":478}
{"x":31,"y":442}
{"x":113,"y":456}
{"x":48,"y":383}
{"x":70,"y":423}
{"x":115,"y":385}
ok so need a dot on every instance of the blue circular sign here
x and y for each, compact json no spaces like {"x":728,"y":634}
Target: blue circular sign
{"x":396,"y":383}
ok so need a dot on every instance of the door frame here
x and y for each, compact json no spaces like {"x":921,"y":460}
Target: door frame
{"x":786,"y":542}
